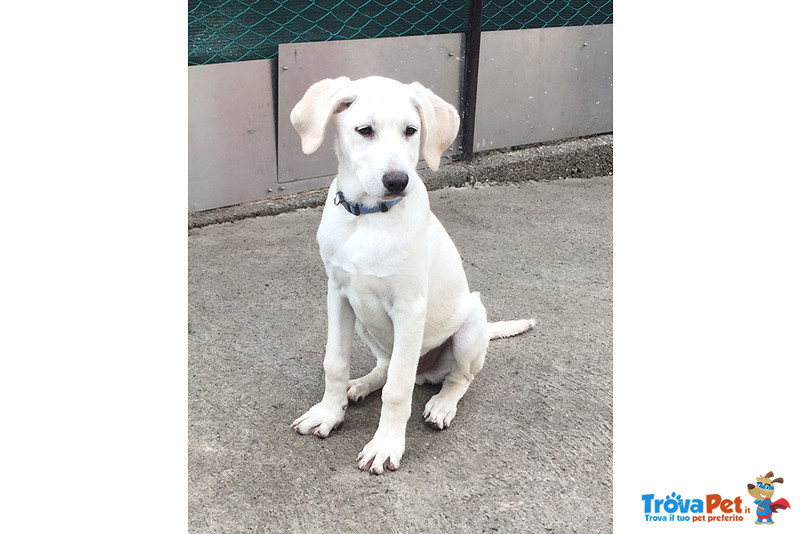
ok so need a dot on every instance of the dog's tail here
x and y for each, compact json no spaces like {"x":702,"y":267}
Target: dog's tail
{"x":510,"y":328}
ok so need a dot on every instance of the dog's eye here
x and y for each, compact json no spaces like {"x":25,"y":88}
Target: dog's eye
{"x":365,"y":131}
{"x":410,"y":130}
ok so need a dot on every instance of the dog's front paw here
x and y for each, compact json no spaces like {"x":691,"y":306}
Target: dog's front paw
{"x":439,"y":412}
{"x":320,"y":419}
{"x":383,"y":452}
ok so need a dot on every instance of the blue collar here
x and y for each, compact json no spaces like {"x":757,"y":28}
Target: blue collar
{"x":361,"y":209}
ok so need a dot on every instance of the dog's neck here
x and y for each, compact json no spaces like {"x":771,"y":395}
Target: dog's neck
{"x":362,"y":209}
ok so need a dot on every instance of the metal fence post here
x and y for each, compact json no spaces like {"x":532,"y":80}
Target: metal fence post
{"x":470,"y":90}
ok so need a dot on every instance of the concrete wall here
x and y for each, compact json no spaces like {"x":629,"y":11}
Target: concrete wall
{"x":534,"y":86}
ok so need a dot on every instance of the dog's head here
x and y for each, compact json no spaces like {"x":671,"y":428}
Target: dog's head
{"x":764,"y":488}
{"x":381,"y":127}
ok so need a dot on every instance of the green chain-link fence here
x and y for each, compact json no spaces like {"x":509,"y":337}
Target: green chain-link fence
{"x":238,"y":30}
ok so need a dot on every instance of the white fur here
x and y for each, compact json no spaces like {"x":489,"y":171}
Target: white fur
{"x":396,"y":277}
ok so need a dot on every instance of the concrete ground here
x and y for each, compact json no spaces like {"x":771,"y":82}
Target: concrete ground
{"x":530,"y":449}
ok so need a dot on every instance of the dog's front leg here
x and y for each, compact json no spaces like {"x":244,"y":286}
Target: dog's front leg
{"x":389,"y":442}
{"x":328,"y":414}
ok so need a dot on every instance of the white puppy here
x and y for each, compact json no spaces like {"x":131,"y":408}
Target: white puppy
{"x":394,"y":275}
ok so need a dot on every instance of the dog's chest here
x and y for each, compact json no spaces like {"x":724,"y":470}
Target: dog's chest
{"x":359,"y":262}
{"x":365,"y":264}
{"x":351,"y":252}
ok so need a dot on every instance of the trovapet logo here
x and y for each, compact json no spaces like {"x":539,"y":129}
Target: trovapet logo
{"x":711,"y":507}
{"x":715,"y":507}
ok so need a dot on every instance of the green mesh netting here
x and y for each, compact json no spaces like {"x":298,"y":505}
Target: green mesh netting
{"x":238,"y":30}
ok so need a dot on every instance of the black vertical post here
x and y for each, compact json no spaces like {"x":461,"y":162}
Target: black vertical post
{"x":470,"y":89}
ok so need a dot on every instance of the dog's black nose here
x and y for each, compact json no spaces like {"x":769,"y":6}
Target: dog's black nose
{"x":395,"y":181}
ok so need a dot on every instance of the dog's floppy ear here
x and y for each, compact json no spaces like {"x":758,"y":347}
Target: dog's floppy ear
{"x":311,"y":115}
{"x":439,"y":124}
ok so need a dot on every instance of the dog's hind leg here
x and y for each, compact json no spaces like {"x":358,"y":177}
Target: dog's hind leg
{"x":359,"y":388}
{"x":470,"y":342}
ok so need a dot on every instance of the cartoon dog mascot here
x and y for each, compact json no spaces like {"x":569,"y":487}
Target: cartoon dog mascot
{"x":763,"y":491}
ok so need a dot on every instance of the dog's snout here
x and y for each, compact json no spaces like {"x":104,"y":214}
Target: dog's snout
{"x":395,"y":181}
